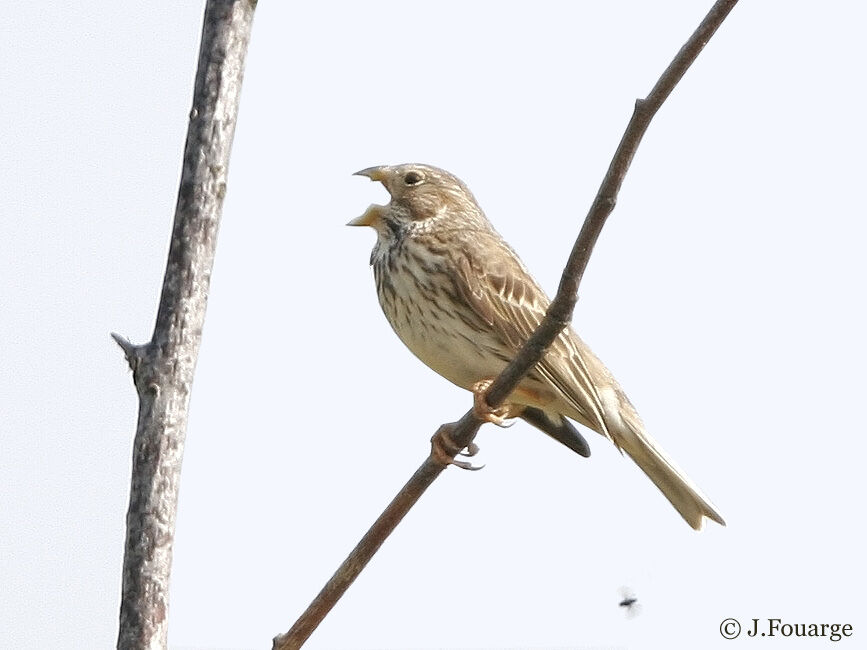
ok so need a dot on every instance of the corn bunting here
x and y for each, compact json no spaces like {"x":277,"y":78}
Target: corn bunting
{"x":462,"y":301}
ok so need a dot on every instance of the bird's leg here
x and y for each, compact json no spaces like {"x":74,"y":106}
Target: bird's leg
{"x":483,"y":410}
{"x":444,"y":449}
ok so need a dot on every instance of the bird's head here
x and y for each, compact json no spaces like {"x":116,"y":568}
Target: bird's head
{"x":422,"y":198}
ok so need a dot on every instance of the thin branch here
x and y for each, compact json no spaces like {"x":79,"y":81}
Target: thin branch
{"x":560,"y":311}
{"x":163,"y":368}
{"x":460,"y":434}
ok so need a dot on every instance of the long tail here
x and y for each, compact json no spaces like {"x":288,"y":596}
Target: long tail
{"x":687,"y":499}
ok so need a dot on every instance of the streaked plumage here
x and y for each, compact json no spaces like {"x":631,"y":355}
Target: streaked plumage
{"x":462,"y":301}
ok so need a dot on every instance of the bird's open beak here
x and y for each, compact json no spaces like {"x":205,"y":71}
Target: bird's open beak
{"x":374,"y":173}
{"x":371,"y":216}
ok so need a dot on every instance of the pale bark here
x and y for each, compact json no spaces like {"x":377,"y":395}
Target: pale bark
{"x":163,"y":368}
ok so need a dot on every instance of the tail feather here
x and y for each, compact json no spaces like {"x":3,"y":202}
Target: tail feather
{"x":687,"y":499}
{"x":562,"y":431}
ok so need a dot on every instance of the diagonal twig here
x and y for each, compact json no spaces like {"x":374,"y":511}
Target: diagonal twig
{"x":460,"y":434}
{"x":163,"y":368}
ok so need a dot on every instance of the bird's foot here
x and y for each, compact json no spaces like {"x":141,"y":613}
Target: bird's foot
{"x":502,"y":416}
{"x":444,"y":449}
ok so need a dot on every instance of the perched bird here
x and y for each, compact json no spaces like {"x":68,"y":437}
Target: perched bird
{"x":462,"y":301}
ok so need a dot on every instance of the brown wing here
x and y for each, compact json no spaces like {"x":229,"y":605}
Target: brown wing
{"x":495,"y":283}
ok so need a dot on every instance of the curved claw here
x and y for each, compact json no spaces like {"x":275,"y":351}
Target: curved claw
{"x":471,"y":450}
{"x":463,"y":464}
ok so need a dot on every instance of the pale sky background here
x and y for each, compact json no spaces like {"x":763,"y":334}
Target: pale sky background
{"x":726,"y":294}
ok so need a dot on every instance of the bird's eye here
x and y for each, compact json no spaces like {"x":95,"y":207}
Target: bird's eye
{"x":412,"y":178}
